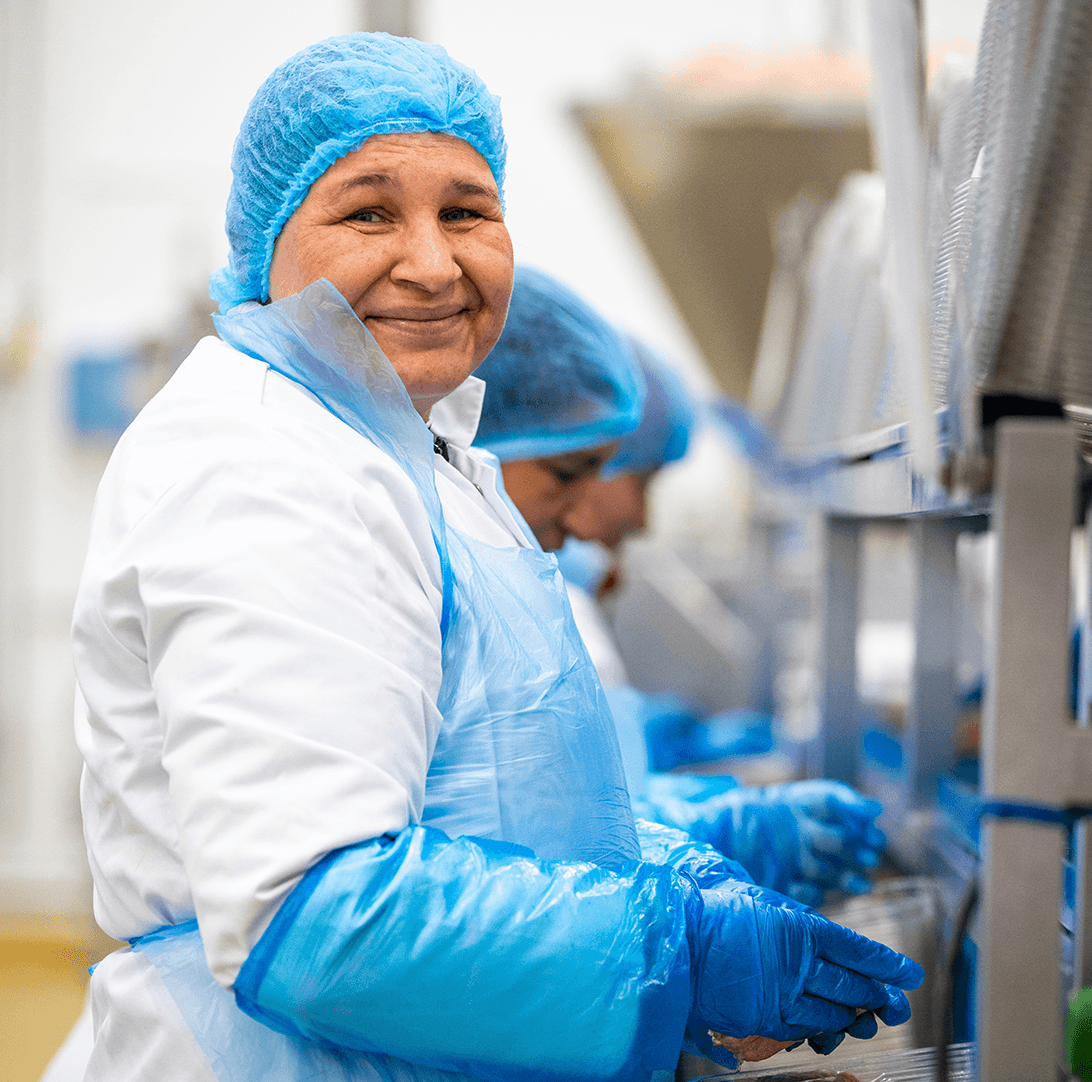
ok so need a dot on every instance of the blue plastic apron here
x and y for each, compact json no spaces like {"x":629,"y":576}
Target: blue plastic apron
{"x":526,"y":752}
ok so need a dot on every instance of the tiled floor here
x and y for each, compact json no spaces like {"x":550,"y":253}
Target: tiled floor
{"x":43,"y":979}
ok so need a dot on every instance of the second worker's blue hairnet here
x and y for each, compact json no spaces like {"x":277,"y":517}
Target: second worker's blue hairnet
{"x":669,"y":414}
{"x":320,"y":105}
{"x":560,"y":377}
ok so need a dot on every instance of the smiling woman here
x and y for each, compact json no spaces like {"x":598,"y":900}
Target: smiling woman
{"x":351,"y":789}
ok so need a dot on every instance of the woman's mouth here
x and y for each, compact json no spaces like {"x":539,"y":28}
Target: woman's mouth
{"x":417,"y":319}
{"x":426,"y":330}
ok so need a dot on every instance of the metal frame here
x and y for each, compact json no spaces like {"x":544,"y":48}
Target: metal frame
{"x":834,"y":753}
{"x":1032,"y":753}
{"x":929,"y":731}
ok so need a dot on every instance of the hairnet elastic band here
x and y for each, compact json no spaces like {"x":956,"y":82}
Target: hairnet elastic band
{"x":525,"y":445}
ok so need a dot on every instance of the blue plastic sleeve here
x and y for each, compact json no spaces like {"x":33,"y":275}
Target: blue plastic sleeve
{"x":706,"y":814}
{"x":466,"y":956}
{"x":675,"y":849}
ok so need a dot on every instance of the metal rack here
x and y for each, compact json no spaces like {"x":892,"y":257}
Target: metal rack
{"x":987,"y":186}
{"x":1036,"y":763}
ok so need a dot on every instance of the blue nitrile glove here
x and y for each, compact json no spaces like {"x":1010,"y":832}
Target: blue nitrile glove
{"x":708,"y":868}
{"x":673,"y":848}
{"x":838,"y":840}
{"x":676,"y":736}
{"x":800,"y":838}
{"x":697,"y":1039}
{"x":772,"y":968}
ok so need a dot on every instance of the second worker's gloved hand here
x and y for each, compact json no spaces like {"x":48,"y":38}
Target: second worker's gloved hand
{"x":838,"y":836}
{"x":786,"y":972}
{"x":676,"y":736}
{"x":800,"y":838}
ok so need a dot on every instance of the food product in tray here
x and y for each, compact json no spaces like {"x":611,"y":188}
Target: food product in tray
{"x":821,"y":1076}
{"x":912,"y":1065}
{"x":750,"y":1049}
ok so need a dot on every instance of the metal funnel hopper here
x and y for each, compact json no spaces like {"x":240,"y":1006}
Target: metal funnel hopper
{"x":704,"y":161}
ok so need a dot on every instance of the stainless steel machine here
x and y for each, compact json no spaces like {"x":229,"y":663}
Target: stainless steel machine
{"x":926,"y":361}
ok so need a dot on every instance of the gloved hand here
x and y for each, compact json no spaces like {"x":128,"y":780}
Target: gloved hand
{"x":837,"y":837}
{"x":801,"y":838}
{"x":764,"y":965}
{"x":675,"y":736}
{"x":863,"y":1027}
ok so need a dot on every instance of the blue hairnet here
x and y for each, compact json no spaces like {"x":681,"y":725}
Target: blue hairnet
{"x":559,"y":379}
{"x":320,"y":105}
{"x":669,"y":415}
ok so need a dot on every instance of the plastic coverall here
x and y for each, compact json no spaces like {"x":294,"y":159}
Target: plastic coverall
{"x":284,"y":595}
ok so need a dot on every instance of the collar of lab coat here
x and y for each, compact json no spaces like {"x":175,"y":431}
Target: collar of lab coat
{"x":456,"y":417}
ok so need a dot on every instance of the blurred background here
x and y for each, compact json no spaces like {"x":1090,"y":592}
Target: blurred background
{"x":653,"y":147}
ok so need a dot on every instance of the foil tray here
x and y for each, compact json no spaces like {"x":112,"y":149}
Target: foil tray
{"x":908,"y":1065}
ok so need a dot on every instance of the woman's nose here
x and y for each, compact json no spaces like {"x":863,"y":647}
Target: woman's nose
{"x":426,"y":257}
{"x":578,"y":517}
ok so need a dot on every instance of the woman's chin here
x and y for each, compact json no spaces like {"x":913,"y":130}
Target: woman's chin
{"x":429,"y":373}
{"x":425,"y":395}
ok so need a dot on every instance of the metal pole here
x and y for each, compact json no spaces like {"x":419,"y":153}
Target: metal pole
{"x":929,"y":733}
{"x":1026,"y":710}
{"x":1082,"y":842}
{"x":397,"y":17}
{"x":834,"y":754}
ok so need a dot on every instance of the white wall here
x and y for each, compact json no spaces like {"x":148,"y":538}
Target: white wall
{"x":144,"y":102}
{"x":118,"y":129}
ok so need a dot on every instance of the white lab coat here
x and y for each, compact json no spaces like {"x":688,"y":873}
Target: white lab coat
{"x":257,"y":642}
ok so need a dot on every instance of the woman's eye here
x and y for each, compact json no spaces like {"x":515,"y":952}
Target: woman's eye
{"x":566,"y":477}
{"x":366,"y":216}
{"x":459,"y":214}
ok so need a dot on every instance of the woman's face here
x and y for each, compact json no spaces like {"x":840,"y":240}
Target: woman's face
{"x":409,"y":229}
{"x":610,"y":510}
{"x":546,"y":490}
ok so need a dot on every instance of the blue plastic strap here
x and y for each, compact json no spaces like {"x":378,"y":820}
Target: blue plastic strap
{"x":1032,"y":813}
{"x":165,"y":932}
